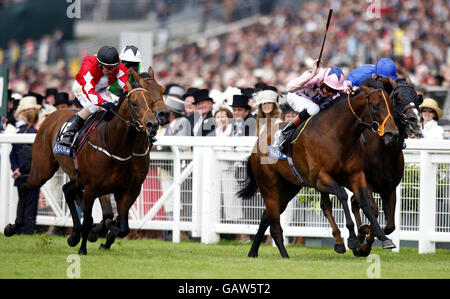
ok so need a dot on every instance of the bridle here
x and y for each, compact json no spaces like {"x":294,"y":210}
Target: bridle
{"x":374,"y":125}
{"x":140,"y":126}
{"x":402,"y":85}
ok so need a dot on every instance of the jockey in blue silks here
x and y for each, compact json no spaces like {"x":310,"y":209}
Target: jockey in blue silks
{"x":384,"y":67}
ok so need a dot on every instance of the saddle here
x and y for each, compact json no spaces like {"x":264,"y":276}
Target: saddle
{"x":82,"y":135}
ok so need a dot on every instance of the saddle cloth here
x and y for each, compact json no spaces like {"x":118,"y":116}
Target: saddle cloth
{"x":81,"y":136}
{"x":275,"y":150}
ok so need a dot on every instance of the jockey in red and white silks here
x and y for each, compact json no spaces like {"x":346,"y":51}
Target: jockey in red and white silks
{"x":91,"y":85}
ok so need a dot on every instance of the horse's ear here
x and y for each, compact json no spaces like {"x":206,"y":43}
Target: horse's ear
{"x":151,"y":72}
{"x":388,"y":84}
{"x":136,"y":76}
{"x":128,"y":85}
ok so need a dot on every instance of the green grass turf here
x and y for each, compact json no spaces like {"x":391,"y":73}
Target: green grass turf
{"x":43,"y":256}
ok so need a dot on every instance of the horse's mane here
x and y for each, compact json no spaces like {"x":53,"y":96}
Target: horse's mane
{"x":371,"y":82}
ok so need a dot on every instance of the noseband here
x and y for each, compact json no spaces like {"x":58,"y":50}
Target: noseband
{"x":374,"y":125}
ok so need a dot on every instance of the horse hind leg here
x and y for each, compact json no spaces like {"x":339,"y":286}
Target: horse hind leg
{"x":327,"y":207}
{"x":263,"y":225}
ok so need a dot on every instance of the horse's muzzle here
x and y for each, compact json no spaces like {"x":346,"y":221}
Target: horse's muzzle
{"x":163,"y":117}
{"x":151,"y":128}
{"x":390,"y":137}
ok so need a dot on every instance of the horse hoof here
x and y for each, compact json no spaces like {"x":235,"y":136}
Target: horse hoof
{"x":388,"y":244}
{"x":363,"y":229}
{"x":73,"y":241}
{"x":354,"y":244}
{"x":92,"y":236}
{"x":82,"y":252}
{"x":339,"y":248}
{"x":10,"y":230}
{"x":103,"y":247}
{"x":252,"y":254}
{"x":358,"y":253}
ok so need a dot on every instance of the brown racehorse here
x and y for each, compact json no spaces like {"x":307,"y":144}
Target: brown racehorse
{"x":384,"y":164}
{"x":145,"y":80}
{"x":328,"y":156}
{"x":119,"y":168}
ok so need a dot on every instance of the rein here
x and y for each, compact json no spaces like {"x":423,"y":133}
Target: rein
{"x":138,"y":125}
{"x":374,"y":126}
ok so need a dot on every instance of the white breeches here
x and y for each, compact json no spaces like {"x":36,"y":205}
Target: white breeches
{"x":91,"y":104}
{"x":299,"y":103}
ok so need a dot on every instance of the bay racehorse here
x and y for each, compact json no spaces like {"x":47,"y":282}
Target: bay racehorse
{"x":328,"y":156}
{"x":114,"y":160}
{"x":384,"y":163}
{"x":147,"y":81}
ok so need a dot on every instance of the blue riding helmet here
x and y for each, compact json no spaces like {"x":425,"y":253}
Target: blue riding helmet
{"x":386,"y":68}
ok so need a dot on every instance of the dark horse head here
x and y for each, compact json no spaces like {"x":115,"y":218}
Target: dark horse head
{"x":406,"y":104}
{"x":147,"y":81}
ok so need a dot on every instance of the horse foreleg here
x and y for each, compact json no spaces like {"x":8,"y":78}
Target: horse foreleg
{"x":327,"y":184}
{"x":108,"y":214}
{"x":327,"y":207}
{"x":389,"y":201}
{"x":361,"y":193}
{"x":263,"y":225}
{"x":88,"y":202}
{"x":70,"y":192}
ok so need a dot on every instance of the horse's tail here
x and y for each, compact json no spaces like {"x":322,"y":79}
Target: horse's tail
{"x":249,"y":184}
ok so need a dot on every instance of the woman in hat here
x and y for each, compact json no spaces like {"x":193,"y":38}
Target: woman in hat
{"x":20,"y":157}
{"x":430,"y":114}
{"x":268,"y":109}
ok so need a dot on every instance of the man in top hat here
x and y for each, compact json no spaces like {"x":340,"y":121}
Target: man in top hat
{"x":50,"y":94}
{"x":244,"y":121}
{"x":188,"y":99}
{"x":202,"y":118}
{"x":62,"y":100}
{"x":174,"y":90}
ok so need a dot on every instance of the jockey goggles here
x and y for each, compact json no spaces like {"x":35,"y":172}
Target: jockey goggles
{"x":329,"y":89}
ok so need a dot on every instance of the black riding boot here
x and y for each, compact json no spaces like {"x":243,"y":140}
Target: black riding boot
{"x":292,"y":125}
{"x":67,"y":136}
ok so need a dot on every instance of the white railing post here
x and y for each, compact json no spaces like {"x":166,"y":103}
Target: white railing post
{"x":395,"y":235}
{"x":197,"y":176}
{"x":210,"y":196}
{"x":427,"y":203}
{"x":4,"y":185}
{"x":176,"y":196}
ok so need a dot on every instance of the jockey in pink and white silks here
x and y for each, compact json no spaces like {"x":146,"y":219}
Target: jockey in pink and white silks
{"x":314,"y":90}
